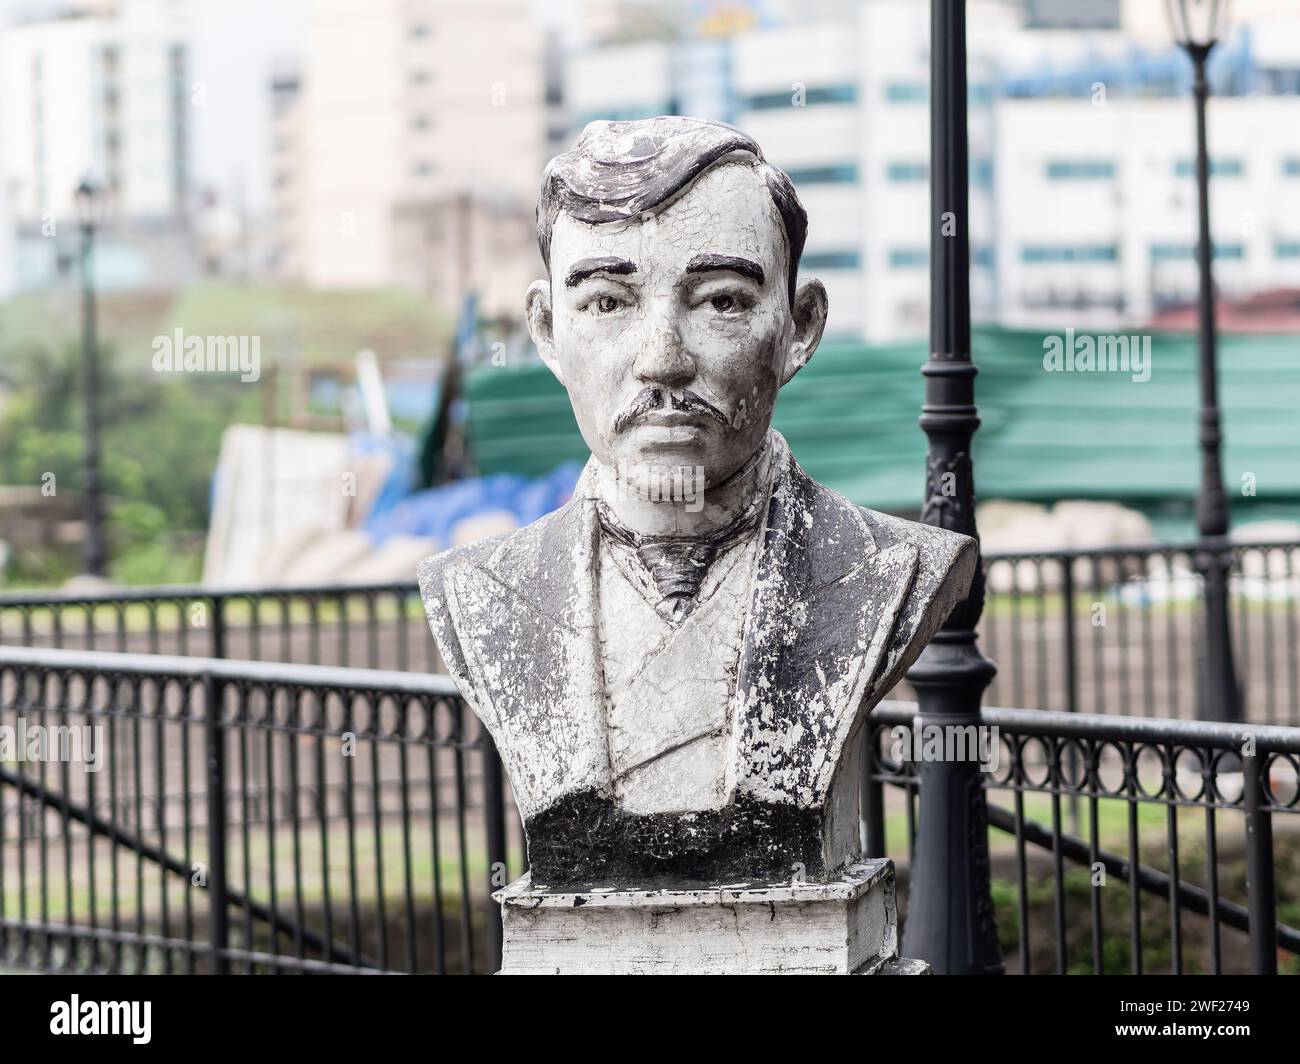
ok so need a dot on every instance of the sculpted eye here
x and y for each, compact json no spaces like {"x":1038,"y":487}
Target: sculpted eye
{"x":728,"y":304}
{"x":606,"y":304}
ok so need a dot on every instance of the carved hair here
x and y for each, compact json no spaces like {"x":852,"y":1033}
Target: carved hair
{"x":619,"y":170}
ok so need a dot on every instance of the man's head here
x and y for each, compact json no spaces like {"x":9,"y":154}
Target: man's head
{"x":672,"y":313}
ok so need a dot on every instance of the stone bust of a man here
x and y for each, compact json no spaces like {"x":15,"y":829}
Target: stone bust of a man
{"x":676,"y":665}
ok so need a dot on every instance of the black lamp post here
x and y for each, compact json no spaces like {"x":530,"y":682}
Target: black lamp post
{"x":1198,"y":26}
{"x":950,"y":910}
{"x":88,"y":205}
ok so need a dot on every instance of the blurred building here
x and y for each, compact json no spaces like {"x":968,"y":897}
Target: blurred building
{"x":286,"y":154}
{"x":99,"y":90}
{"x":1081,"y":141}
{"x":414,"y":144}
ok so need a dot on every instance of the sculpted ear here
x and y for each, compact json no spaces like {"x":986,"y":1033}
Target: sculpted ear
{"x":537,"y":312}
{"x":809,"y":314}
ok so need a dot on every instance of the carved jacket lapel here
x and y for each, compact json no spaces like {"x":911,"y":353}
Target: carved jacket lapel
{"x":531,"y":651}
{"x":825,"y":603}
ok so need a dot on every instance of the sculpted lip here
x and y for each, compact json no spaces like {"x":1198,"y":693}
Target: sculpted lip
{"x":672,"y":417}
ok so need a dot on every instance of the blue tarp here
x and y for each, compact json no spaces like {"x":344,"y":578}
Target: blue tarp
{"x":435,"y":512}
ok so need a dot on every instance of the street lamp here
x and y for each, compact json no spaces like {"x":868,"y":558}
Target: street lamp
{"x":950,"y":911}
{"x":89,"y":200}
{"x":1198,"y":25}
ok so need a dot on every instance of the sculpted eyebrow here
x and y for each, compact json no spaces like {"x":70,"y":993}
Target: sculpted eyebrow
{"x":584,"y":268}
{"x":731,"y":263}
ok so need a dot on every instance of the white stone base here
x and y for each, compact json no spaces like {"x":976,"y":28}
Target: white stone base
{"x":847,"y":926}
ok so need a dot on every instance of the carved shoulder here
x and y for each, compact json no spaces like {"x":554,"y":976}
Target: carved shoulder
{"x":945,"y":567}
{"x":431,"y":574}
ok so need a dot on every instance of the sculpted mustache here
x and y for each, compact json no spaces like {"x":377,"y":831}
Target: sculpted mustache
{"x":653,"y":399}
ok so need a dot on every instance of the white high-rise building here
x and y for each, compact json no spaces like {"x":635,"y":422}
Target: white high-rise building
{"x":1082,"y":200}
{"x":100,"y":91}
{"x":419,"y":133}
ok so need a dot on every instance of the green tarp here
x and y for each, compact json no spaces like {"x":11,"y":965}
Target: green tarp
{"x":851,"y":418}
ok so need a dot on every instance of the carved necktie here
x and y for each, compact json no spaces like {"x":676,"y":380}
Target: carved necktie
{"x":678,"y":564}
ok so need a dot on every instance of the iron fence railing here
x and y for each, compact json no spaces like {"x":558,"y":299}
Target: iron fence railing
{"x":1120,"y":844}
{"x":1119,"y":630}
{"x":244,"y":816}
{"x":1097,"y":631}
{"x":376,"y":626}
{"x":261,"y":817}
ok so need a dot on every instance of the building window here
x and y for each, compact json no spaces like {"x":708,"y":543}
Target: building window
{"x":1287,"y":249}
{"x":1178,"y":252}
{"x":830,"y":260}
{"x":907,"y":92}
{"x":836,"y":174}
{"x":419,"y":30}
{"x":1218,"y":168}
{"x":907,"y":171}
{"x":1291,"y":166}
{"x":981,"y":172}
{"x":420,"y":122}
{"x":423,"y":168}
{"x":772,"y":101}
{"x":1052,"y":253}
{"x":420,"y":77}
{"x":908,"y":258}
{"x":178,"y":63}
{"x":1281,"y":81}
{"x":1080,"y":169}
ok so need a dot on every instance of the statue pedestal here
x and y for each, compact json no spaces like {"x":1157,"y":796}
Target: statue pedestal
{"x":843,"y":927}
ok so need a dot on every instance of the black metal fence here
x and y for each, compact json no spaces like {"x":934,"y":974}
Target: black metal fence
{"x":377,"y":626}
{"x":1119,"y":630}
{"x":1097,"y":631}
{"x":277,"y":818}
{"x":207,"y":816}
{"x":231,"y":829}
{"x":1119,"y":844}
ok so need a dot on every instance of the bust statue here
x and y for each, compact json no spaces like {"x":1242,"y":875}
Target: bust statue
{"x":676,"y":665}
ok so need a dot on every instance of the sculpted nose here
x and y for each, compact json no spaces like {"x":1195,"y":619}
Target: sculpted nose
{"x":663,"y":360}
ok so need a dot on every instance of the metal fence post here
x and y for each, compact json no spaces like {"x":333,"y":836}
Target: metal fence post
{"x":1071,"y":660}
{"x":871,"y":797}
{"x":218,"y":626}
{"x":215,"y":757}
{"x":950,"y":920}
{"x":1071,"y":677}
{"x":494,"y":815}
{"x":1259,"y":870}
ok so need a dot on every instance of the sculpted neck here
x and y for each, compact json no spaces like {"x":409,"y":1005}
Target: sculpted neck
{"x":685,"y":507}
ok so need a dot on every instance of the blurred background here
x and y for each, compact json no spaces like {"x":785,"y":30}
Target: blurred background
{"x":343,"y":191}
{"x":262,"y":269}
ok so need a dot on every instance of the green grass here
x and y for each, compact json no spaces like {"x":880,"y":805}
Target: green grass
{"x":313,"y":883}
